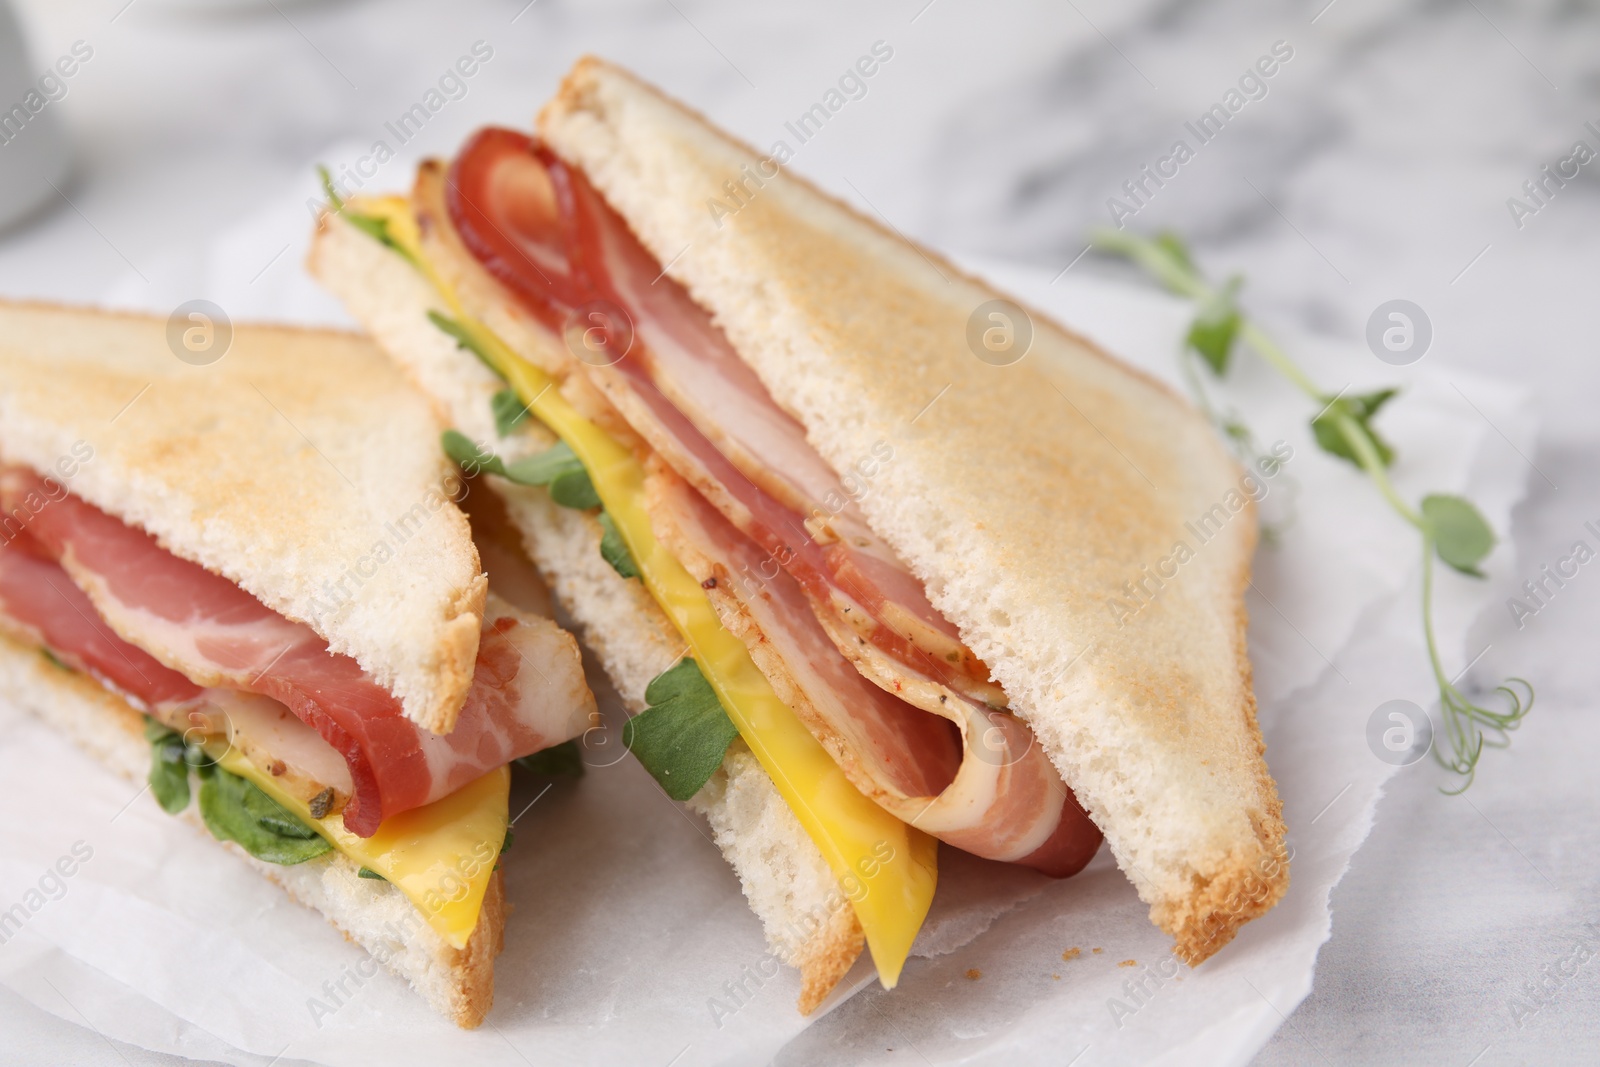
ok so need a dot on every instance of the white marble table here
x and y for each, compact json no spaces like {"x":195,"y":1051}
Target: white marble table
{"x":1377,"y":165}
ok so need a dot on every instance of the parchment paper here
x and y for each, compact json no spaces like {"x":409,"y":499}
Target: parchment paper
{"x":628,"y":923}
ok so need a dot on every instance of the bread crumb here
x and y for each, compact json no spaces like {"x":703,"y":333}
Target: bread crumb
{"x":1128,"y":963}
{"x":974,"y":974}
{"x":1072,"y":953}
{"x":1097,"y":951}
{"x":1057,"y":977}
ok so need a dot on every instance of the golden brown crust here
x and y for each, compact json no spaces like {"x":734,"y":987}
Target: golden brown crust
{"x":457,"y":650}
{"x":1030,"y":498}
{"x":473,"y":966}
{"x":1253,"y":882}
{"x":828,"y":957}
{"x":574,"y":92}
{"x":282,"y":465}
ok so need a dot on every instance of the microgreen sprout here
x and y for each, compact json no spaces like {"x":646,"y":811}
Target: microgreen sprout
{"x":1450,"y":527}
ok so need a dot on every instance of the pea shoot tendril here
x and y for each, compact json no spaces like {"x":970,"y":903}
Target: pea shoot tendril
{"x":1450,"y":527}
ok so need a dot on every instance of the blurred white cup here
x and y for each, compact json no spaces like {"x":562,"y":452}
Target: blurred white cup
{"x":33,"y":145}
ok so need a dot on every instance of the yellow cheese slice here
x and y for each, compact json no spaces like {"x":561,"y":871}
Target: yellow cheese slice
{"x":440,"y":855}
{"x":887,"y":868}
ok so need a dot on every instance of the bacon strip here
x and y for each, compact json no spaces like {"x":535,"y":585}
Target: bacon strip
{"x":40,"y":605}
{"x":542,"y":231}
{"x":527,"y":694}
{"x":828,"y":593}
{"x":970,"y":776}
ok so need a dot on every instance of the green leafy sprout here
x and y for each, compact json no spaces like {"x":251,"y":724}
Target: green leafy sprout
{"x":682,"y":737}
{"x":1210,"y":340}
{"x":509,"y":411}
{"x":464,"y":339}
{"x":1451,"y":528}
{"x":556,"y":467}
{"x":558,"y":761}
{"x":233,"y":808}
{"x":371,"y":225}
{"x":614,"y":550}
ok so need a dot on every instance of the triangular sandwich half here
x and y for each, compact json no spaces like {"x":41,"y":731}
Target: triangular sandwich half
{"x":232,"y":564}
{"x":950,"y":542}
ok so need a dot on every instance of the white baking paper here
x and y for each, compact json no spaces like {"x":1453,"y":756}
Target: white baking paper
{"x":630,"y":939}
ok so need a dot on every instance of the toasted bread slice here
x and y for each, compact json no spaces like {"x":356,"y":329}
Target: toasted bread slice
{"x":298,"y":464}
{"x":1081,"y":524}
{"x":458,"y":983}
{"x":803,"y":909}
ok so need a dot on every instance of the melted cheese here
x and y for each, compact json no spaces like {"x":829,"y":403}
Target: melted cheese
{"x":887,"y":868}
{"x":440,"y":856}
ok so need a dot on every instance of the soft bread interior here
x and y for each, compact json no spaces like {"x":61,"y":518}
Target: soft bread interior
{"x":298,"y":464}
{"x":1031,"y":498}
{"x":457,"y":983}
{"x":803,"y":909}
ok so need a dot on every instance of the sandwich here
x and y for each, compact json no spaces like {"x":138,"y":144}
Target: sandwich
{"x":873,"y":552}
{"x":232,"y":567}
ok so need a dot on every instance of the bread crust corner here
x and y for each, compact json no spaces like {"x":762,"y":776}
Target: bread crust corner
{"x":575,"y":91}
{"x":1250,"y":881}
{"x":1248,"y":886}
{"x":458,"y":660}
{"x":828,"y":957}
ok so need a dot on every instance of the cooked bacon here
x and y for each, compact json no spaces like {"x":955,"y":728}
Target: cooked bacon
{"x":218,"y":635}
{"x":969,"y":775}
{"x":541,"y":230}
{"x":40,"y":605}
{"x":792,"y":533}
